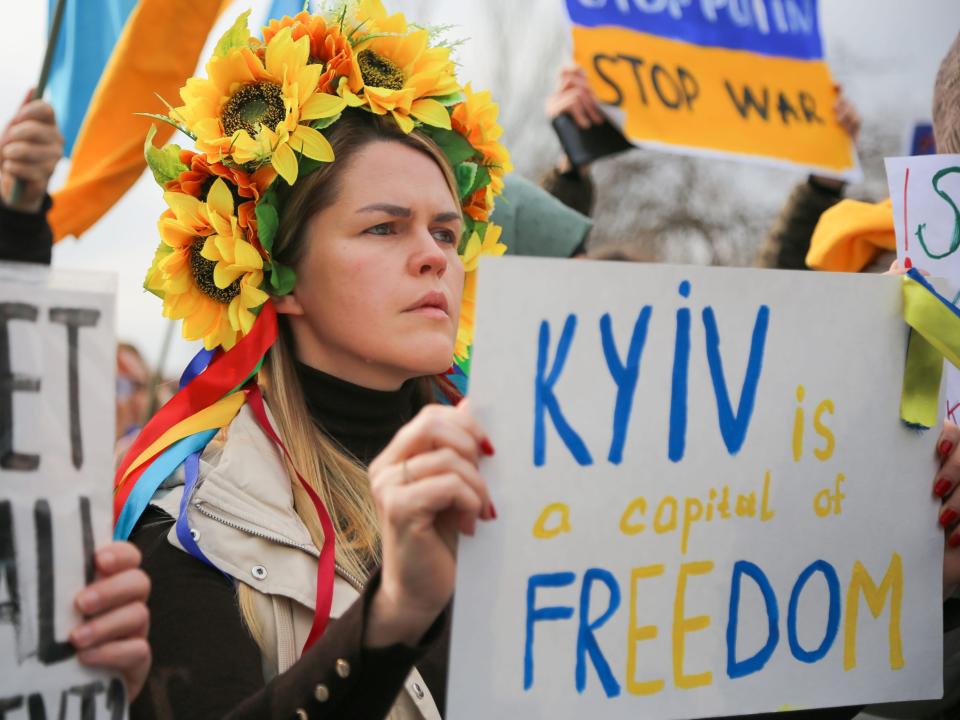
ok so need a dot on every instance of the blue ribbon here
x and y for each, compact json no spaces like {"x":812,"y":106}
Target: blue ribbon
{"x":169,"y":460}
{"x":191,"y":465}
{"x":159,"y":470}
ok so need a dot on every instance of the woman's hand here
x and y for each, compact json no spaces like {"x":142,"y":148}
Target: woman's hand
{"x":948,"y":450}
{"x":113,"y":635}
{"x":427,"y":488}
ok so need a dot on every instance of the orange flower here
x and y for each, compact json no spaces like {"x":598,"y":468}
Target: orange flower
{"x":328,"y":47}
{"x":480,"y":204}
{"x":476,"y":119}
{"x":198,"y":180}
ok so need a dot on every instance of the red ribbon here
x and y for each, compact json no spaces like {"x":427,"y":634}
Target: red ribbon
{"x":227,"y":371}
{"x":326,"y":565}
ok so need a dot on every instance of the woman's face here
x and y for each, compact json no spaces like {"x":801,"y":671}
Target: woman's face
{"x":377,"y":298}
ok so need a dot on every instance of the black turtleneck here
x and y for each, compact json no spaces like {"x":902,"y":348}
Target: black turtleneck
{"x":361,"y":420}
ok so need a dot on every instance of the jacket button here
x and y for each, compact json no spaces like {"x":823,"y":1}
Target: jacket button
{"x":259,"y":572}
{"x":302,"y":714}
{"x":418,"y":691}
{"x":321,"y":693}
{"x":343,"y":668}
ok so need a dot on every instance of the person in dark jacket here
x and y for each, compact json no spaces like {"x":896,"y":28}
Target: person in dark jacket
{"x":113,"y":633}
{"x":30,"y":147}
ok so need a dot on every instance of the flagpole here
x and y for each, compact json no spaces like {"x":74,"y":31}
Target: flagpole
{"x":44,"y":76}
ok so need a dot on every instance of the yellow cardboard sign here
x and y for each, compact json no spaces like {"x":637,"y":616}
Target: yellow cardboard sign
{"x":714,"y":100}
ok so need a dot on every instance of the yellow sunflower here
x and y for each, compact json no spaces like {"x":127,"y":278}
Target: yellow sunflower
{"x":401,"y":76}
{"x":472,"y":252}
{"x":250,"y":110}
{"x":206,"y":271}
{"x":476,"y":119}
{"x":372,"y":18}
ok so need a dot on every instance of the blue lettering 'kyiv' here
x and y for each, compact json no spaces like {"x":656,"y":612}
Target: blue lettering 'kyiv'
{"x":625,"y":372}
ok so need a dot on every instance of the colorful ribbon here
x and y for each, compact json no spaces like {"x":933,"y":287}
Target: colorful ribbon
{"x":197,"y":407}
{"x":934,"y":336}
{"x":326,"y":566}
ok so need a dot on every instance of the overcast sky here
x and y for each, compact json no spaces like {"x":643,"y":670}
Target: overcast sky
{"x":884,"y":52}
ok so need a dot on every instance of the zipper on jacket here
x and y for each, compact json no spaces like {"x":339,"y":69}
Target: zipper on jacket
{"x":201,"y":507}
{"x":311,"y":548}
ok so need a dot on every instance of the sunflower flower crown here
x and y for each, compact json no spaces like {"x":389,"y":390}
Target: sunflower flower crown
{"x":257,"y":120}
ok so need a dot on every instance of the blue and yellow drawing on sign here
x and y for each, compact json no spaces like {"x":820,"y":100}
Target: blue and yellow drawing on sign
{"x":735,"y":77}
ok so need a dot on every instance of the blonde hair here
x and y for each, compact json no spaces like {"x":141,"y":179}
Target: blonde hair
{"x":339,"y":479}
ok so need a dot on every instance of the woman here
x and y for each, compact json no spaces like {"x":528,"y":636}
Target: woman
{"x":352,"y":453}
{"x":380,"y":246}
{"x":373,"y":238}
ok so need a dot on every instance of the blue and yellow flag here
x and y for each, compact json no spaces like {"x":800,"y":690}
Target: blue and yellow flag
{"x":117,"y":56}
{"x":746,"y":79}
{"x":87,"y":37}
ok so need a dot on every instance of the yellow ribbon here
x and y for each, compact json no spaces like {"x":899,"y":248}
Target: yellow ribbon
{"x":216,"y":416}
{"x":935,"y":336}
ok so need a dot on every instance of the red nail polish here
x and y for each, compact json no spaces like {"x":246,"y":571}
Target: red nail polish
{"x":954,"y":540}
{"x":945,"y":447}
{"x":942,"y":487}
{"x":948,"y":517}
{"x":486,"y":447}
{"x":493,"y":511}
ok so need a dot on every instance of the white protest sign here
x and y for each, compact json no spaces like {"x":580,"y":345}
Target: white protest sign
{"x":925,"y":192}
{"x":707,"y":502}
{"x":57,"y":417}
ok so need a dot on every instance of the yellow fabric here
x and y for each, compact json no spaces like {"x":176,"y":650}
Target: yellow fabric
{"x":850,"y":235}
{"x":216,"y":416}
{"x":159,"y":46}
{"x":935,"y":337}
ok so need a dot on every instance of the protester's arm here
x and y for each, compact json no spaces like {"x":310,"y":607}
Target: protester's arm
{"x":788,"y":241}
{"x":849,"y":119}
{"x":572,"y":185}
{"x":30,"y":147}
{"x":207,"y":665}
{"x":113,"y":635}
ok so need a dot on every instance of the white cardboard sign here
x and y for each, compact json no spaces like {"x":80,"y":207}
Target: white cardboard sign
{"x":708,"y":504}
{"x":925,"y":192}
{"x":57,"y":417}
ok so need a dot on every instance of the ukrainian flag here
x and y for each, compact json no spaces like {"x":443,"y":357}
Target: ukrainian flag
{"x":113,"y":58}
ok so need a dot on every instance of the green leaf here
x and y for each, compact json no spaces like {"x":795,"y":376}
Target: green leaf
{"x":454,"y":145}
{"x":306,"y":165}
{"x":451,"y":99}
{"x":466,"y":175}
{"x":480,"y":180}
{"x":162,"y":251}
{"x":164,"y":162}
{"x":469,"y":225}
{"x":267,"y":221}
{"x":282,"y":278}
{"x":169,"y":121}
{"x":321,"y":123}
{"x":236,"y":37}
